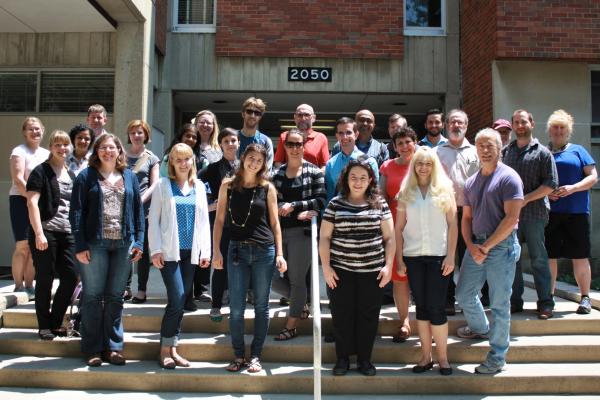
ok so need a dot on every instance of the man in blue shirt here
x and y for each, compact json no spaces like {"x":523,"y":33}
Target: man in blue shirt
{"x":434,"y":124}
{"x":252,"y":111}
{"x":365,"y":125}
{"x":346,"y":133}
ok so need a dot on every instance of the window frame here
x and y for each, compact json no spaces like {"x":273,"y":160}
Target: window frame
{"x":194,"y":28}
{"x":426,"y":31}
{"x":38,"y":96}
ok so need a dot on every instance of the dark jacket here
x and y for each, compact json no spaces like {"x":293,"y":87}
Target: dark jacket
{"x":87,"y":209}
{"x":43,"y":180}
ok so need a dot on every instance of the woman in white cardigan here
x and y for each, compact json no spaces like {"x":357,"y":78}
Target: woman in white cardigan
{"x":179,"y":241}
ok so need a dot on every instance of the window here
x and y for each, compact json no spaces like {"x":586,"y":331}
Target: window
{"x":18,"y":92}
{"x":425,"y":17}
{"x":194,"y":16}
{"x":58,"y":92}
{"x":595,"y":127}
{"x":74,"y":92}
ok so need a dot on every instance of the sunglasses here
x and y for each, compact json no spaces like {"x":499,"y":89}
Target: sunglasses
{"x":249,"y":111}
{"x":294,"y":145}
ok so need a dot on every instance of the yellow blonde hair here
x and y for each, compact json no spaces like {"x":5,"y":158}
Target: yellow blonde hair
{"x":440,"y":186}
{"x":184,"y":151}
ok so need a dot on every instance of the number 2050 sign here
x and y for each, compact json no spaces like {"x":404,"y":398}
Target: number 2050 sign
{"x":303,"y":74}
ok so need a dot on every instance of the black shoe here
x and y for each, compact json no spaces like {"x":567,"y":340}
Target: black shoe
{"x":419,"y":369}
{"x":127,"y":294}
{"x":329,"y":338}
{"x":514,"y":309}
{"x":366,"y":368}
{"x":190,"y":305}
{"x":445,"y":371}
{"x":341,"y":367}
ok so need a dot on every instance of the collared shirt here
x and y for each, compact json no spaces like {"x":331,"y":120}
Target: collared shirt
{"x":372,"y":148}
{"x":460,"y":163}
{"x":76,"y":166}
{"x":316,"y":148}
{"x":425,"y":141}
{"x":426,"y":230}
{"x":536,"y":167}
{"x":336,"y":164}
{"x":259,"y":138}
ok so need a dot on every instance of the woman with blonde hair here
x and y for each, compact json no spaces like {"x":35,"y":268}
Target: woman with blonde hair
{"x":426,"y":235}
{"x":568,"y":230}
{"x":179,"y":241}
{"x":52,"y":245}
{"x":23,"y":159}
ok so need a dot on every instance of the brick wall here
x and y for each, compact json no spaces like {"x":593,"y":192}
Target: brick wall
{"x":549,"y":29}
{"x":310,"y":28}
{"x":160,"y":26}
{"x":477,"y":48}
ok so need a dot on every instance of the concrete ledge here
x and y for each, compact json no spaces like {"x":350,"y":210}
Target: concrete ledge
{"x":566,"y":291}
{"x":9,"y":300}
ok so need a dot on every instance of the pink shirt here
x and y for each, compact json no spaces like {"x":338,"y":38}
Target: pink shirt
{"x":394,"y":175}
{"x":316,"y":149}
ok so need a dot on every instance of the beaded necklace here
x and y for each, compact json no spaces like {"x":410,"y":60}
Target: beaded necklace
{"x":243,"y":225}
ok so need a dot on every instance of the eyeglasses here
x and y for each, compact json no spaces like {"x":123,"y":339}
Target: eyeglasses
{"x":249,"y":111}
{"x":294,"y":145}
{"x":303,"y":115}
{"x":107,"y":148}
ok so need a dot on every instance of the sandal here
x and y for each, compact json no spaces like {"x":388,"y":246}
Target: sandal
{"x":305,"y":312}
{"x":254,"y":365}
{"x":46,"y":334}
{"x":61,"y":332}
{"x":286,"y":334}
{"x":180,"y":361}
{"x":403,"y":334}
{"x":236,"y":365}
{"x":167,"y":363}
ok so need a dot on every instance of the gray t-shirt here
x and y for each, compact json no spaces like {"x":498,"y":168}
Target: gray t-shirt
{"x":142,"y":171}
{"x":486,"y":196}
{"x":60,"y":221}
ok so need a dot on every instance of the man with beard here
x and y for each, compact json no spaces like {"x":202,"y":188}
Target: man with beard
{"x":395,"y":123}
{"x":252,"y":111}
{"x":535,"y":165}
{"x":434,"y":124}
{"x":493,"y":199}
{"x":316,"y":146}
{"x":365,"y":121}
{"x":459,"y":158}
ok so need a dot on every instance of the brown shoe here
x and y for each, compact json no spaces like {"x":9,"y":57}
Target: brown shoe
{"x":114,"y":357}
{"x":94,"y":360}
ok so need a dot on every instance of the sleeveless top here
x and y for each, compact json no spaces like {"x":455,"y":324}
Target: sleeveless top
{"x":248,"y":217}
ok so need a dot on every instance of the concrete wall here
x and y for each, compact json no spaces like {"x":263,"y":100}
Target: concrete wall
{"x":542,"y":87}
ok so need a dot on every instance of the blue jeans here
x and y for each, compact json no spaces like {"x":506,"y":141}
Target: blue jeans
{"x":178,"y":278}
{"x":247,"y":261}
{"x":104,"y":280}
{"x":498,"y":269}
{"x":532,"y":232}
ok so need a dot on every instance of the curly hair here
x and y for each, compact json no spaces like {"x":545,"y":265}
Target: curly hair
{"x":372,"y":193}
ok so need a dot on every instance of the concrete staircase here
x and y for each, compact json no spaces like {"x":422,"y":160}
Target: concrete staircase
{"x":558,"y":356}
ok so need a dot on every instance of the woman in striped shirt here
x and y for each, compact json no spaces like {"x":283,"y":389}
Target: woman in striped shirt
{"x":357,"y":249}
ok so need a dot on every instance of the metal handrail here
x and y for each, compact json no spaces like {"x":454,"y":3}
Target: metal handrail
{"x":316,"y":310}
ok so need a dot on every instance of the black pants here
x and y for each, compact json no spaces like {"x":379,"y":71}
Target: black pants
{"x":355,"y":304}
{"x":219,"y":276}
{"x":461,"y":248}
{"x":428,"y":287}
{"x":58,"y":259}
{"x":143,"y":265}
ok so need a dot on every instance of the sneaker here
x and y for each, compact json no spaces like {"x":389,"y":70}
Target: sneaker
{"x":215,"y":315}
{"x":545,"y":313}
{"x":466,"y":333}
{"x":284,"y":301}
{"x":204,"y":298}
{"x":486,"y":369}
{"x":585,"y":306}
{"x":30,"y":292}
{"x":19,"y":289}
{"x":190,"y":305}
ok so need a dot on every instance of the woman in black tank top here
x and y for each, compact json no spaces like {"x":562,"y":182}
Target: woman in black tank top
{"x":255,"y":250}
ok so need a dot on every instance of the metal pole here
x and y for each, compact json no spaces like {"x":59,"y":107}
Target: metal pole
{"x":316,"y":311}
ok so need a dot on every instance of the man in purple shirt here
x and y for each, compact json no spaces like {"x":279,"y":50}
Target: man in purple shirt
{"x":493,"y":200}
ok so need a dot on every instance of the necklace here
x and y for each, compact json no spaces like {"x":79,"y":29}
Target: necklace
{"x":243,"y":225}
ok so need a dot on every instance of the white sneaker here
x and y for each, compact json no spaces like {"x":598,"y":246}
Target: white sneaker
{"x":585,"y":306}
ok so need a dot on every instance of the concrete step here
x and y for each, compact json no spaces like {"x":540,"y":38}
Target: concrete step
{"x":147,"y":318}
{"x":71,"y":373}
{"x":217,"y":347}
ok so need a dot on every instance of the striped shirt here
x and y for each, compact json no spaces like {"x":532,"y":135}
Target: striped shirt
{"x":313,"y":187}
{"x":357,"y":240}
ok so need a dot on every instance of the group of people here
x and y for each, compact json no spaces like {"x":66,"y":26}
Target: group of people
{"x":410,"y":212}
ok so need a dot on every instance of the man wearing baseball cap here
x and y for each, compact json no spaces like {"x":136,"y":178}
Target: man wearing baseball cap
{"x":504,"y":127}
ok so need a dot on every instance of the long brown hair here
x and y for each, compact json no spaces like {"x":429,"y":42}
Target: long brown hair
{"x":95,"y":160}
{"x":261,"y":177}
{"x":372,"y":193}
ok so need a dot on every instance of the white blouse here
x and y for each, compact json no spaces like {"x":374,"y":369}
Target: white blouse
{"x":426,"y":230}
